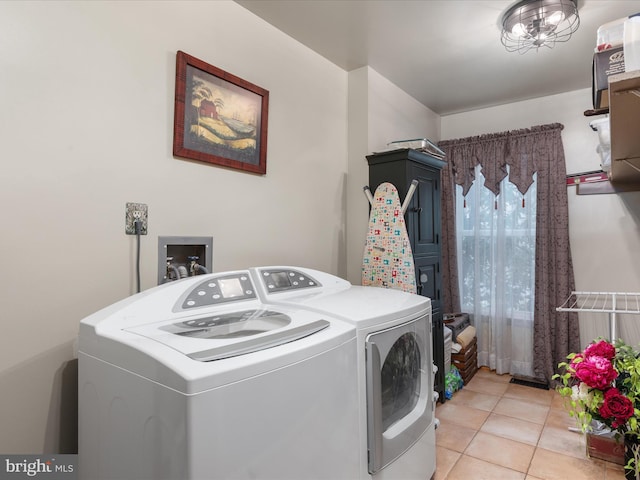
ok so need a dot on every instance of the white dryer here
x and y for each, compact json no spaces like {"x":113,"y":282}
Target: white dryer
{"x":200,"y":379}
{"x":395,"y":364}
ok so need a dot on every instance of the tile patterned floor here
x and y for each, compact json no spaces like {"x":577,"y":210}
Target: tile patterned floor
{"x":494,"y":430}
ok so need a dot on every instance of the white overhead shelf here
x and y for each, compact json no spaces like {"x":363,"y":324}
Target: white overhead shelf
{"x":624,"y":109}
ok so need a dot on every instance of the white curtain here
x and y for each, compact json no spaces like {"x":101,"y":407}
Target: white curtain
{"x":496,"y":239}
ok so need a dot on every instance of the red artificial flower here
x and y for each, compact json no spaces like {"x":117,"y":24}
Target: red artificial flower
{"x":600,"y":349}
{"x":616,"y":406}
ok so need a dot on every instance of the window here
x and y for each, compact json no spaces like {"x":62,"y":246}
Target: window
{"x":496,"y":257}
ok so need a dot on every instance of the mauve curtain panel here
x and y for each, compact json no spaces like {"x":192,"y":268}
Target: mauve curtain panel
{"x":527,"y":151}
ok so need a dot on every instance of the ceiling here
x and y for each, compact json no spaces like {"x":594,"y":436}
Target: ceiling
{"x":445,"y":53}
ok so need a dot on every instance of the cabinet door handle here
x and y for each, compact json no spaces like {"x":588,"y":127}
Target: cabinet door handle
{"x":417,"y":209}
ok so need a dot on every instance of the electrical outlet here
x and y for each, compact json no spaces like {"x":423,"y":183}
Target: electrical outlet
{"x":136,"y":211}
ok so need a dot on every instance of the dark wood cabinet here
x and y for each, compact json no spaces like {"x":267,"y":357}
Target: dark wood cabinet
{"x":423,"y":219}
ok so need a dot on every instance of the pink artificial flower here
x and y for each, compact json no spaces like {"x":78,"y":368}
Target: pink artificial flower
{"x":600,"y":349}
{"x":616,"y":406}
{"x":578,"y":357}
{"x":596,"y":372}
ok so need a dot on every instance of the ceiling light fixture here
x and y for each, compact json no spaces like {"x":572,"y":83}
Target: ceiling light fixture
{"x":538,"y":23}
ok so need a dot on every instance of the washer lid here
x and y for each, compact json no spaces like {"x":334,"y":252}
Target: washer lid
{"x":215,"y":336}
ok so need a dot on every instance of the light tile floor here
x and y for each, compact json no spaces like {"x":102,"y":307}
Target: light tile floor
{"x":494,"y":430}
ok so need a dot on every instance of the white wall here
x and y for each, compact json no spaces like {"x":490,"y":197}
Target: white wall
{"x":604,"y":229}
{"x":379,"y":113}
{"x":86,"y":125}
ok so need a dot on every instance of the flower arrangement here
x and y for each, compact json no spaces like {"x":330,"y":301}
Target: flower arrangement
{"x":603,"y":384}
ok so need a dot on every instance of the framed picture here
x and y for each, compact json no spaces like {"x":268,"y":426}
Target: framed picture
{"x":219,"y":118}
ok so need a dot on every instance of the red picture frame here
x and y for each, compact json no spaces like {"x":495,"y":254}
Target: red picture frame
{"x":219,"y":118}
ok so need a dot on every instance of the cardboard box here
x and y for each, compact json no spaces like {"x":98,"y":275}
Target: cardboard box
{"x":605,"y":447}
{"x":605,"y":63}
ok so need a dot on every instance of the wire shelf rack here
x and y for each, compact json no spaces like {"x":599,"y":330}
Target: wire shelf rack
{"x":612,"y":303}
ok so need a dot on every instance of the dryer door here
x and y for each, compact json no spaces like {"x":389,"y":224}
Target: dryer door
{"x":399,"y":385}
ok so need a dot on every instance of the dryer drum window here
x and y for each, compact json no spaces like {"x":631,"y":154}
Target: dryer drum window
{"x":400,"y":379}
{"x":399,"y":403}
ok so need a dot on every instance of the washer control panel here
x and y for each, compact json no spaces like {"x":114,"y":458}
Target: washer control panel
{"x":278,"y":280}
{"x":219,"y":289}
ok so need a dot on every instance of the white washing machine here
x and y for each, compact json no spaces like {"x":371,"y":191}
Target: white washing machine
{"x":395,"y":364}
{"x":201,"y":379}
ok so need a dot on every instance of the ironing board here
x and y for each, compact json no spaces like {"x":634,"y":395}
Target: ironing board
{"x":388,"y":260}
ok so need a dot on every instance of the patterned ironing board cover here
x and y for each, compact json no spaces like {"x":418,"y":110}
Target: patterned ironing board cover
{"x":388,"y":260}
